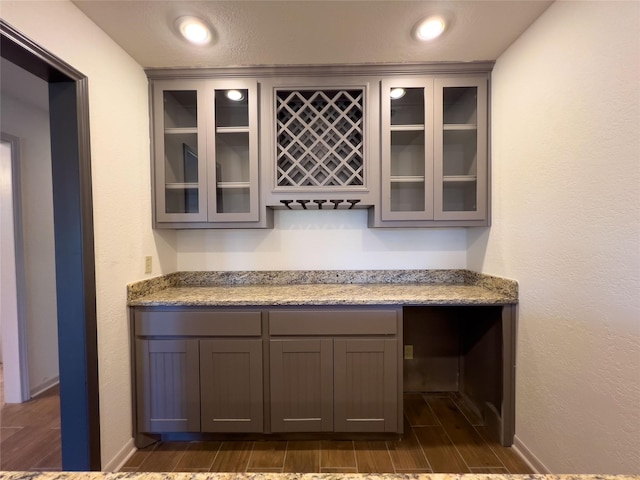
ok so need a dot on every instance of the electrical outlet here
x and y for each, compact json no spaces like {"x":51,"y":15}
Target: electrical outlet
{"x":408,"y":352}
{"x":148,"y":264}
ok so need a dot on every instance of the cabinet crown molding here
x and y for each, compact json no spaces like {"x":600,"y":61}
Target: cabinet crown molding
{"x":262,"y":71}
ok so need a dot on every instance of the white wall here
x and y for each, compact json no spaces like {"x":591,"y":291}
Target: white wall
{"x":10,"y":356}
{"x":322,"y":240}
{"x":566,"y":225}
{"x":118,"y":103}
{"x":25,"y":114}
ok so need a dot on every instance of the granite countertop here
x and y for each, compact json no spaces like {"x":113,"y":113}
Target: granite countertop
{"x":293,"y":476}
{"x":345,"y":287}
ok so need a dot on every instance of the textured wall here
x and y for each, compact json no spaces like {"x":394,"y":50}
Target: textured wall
{"x":118,"y":103}
{"x":566,"y":225}
{"x":322,"y":240}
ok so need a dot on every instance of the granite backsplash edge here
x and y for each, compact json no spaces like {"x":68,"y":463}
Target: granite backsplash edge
{"x":504,"y":286}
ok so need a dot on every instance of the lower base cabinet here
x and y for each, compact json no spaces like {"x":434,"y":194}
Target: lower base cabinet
{"x":365,"y":385}
{"x":301,"y":385}
{"x":334,"y":385}
{"x":168,"y":385}
{"x":208,"y":385}
{"x":329,"y":370}
{"x":231,"y":385}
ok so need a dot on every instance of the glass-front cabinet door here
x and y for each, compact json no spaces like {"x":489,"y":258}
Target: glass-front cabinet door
{"x":460,"y":154}
{"x":180,"y":152}
{"x":206,"y":151}
{"x":233,"y":147}
{"x":407,"y":149}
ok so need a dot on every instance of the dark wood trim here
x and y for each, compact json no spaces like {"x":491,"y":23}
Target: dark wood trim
{"x":75,"y":258}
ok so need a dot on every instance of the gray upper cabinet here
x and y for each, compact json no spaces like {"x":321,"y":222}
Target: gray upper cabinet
{"x":180,"y":149}
{"x":206,"y":153}
{"x":460,"y":148}
{"x":407,"y":142}
{"x":433,"y":152}
{"x":407,"y":149}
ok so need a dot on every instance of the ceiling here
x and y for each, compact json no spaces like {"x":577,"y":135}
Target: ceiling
{"x":311,"y":32}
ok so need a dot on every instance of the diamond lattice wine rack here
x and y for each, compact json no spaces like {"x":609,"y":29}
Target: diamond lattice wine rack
{"x":320,"y":138}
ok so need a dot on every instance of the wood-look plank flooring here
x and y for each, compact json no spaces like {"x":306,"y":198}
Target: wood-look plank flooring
{"x":441,"y":436}
{"x":30,"y":432}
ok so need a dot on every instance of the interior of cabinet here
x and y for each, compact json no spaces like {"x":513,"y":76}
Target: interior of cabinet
{"x":181,"y":151}
{"x":459,"y":148}
{"x":408,"y":143}
{"x":233,"y":159}
{"x":456,"y":349}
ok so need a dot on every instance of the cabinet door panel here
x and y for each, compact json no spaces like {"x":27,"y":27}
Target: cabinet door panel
{"x":365,"y":385}
{"x":233,"y":151}
{"x":231,"y":385}
{"x":168,"y":389}
{"x":407,"y":149}
{"x":180,"y":151}
{"x":301,"y":385}
{"x":460,"y":148}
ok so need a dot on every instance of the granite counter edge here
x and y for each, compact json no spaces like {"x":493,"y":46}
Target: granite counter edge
{"x":295,"y":476}
{"x":502,"y":286}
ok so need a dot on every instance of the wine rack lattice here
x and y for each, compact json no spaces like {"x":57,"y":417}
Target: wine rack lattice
{"x":319,"y":138}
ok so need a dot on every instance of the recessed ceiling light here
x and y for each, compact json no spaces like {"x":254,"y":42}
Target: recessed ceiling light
{"x":235,"y":95}
{"x":430,"y":28}
{"x":397,"y":93}
{"x":194,"y":30}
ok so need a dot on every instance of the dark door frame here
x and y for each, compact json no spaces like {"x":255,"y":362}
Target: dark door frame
{"x":74,"y":247}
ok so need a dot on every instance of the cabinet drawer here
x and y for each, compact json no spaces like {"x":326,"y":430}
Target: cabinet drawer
{"x":333,"y":322}
{"x":198,"y":323}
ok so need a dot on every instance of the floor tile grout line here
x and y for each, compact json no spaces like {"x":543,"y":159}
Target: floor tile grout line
{"x":253,"y":445}
{"x":214,"y":456}
{"x":286,"y":450}
{"x":355,"y":458}
{"x":491,"y":448}
{"x":450,"y":439}
{"x":180,"y":458}
{"x":420,"y":445}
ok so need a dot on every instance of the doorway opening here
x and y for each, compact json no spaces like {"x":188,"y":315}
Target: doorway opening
{"x":74,"y":248}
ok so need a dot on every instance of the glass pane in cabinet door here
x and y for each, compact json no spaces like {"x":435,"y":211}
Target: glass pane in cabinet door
{"x":459,"y":196}
{"x":460,"y":152}
{"x":407,"y":106}
{"x":233,"y":179}
{"x":232,"y":108}
{"x":407,"y":164}
{"x":460,"y":149}
{"x":232,"y":172}
{"x":181,"y":151}
{"x":460,"y":105}
{"x":180,"y":109}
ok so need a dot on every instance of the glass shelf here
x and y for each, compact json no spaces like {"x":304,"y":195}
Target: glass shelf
{"x":232,"y":129}
{"x":180,"y":131}
{"x":407,"y":179}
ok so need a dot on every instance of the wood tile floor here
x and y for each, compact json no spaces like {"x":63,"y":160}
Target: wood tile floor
{"x":441,"y":436}
{"x":30,"y":432}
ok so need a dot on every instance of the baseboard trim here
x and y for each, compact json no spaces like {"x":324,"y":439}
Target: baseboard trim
{"x":534,"y":462}
{"x":43,"y":387}
{"x":117,"y":462}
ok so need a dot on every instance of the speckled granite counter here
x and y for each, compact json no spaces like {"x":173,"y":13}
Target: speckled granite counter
{"x":327,"y":287}
{"x":292,"y":476}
